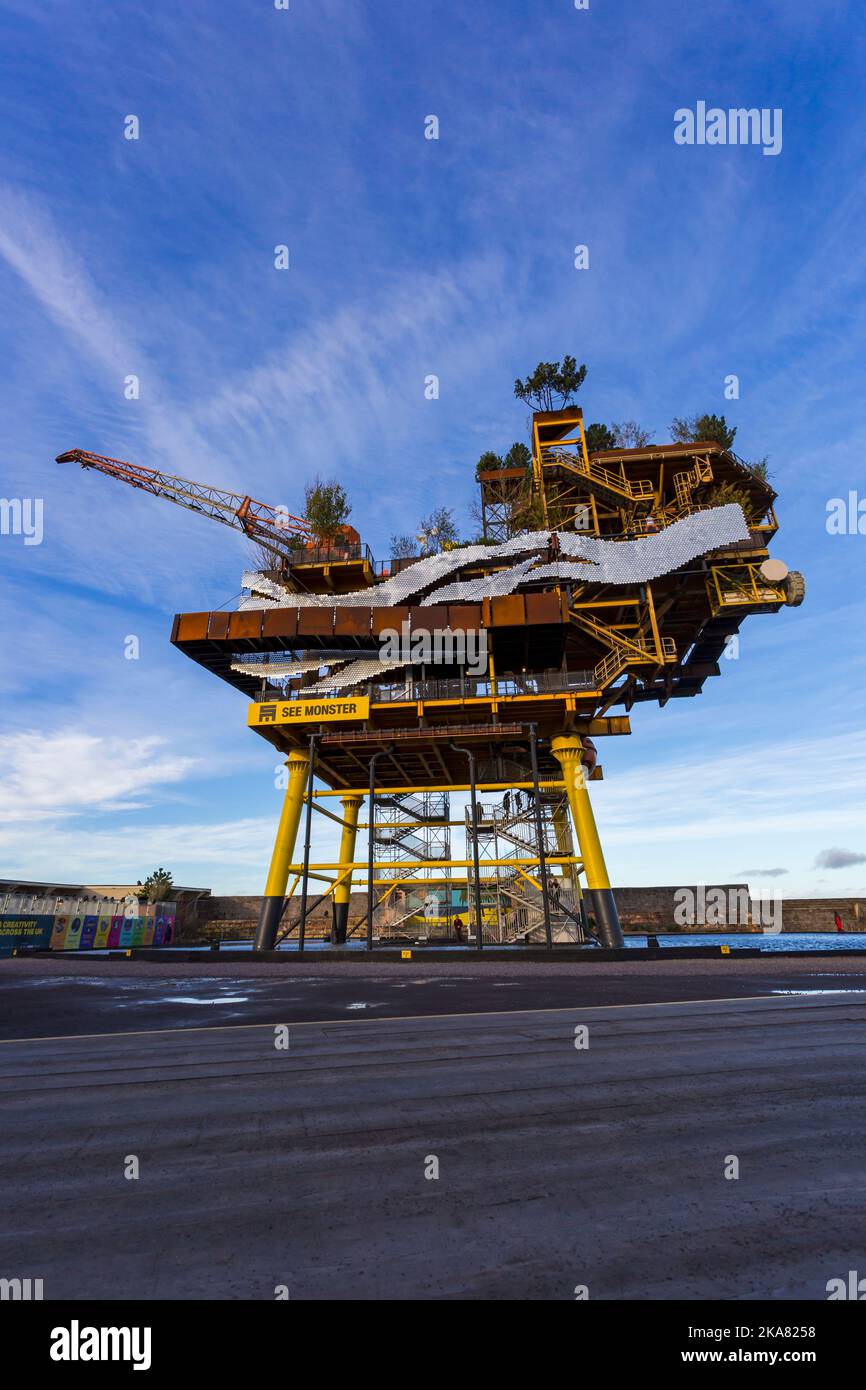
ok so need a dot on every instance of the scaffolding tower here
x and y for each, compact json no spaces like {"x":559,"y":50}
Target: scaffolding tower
{"x":414,"y":828}
{"x":513,"y":887}
{"x":505,"y":493}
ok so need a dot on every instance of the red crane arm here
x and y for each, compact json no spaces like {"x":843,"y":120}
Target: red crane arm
{"x":268,"y":525}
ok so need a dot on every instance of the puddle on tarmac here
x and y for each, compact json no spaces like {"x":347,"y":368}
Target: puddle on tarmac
{"x":818,"y":992}
{"x":193,"y":999}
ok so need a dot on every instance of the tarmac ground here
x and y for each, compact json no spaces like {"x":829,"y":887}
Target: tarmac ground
{"x":433,"y":1131}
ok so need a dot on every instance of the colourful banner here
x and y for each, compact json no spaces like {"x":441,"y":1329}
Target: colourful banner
{"x":88,"y":932}
{"x":58,"y":935}
{"x":95,"y":925}
{"x":73,"y":934}
{"x":19,"y":929}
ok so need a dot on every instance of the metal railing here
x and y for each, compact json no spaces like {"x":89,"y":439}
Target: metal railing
{"x":636,"y":489}
{"x":730,"y":585}
{"x":619,"y":659}
{"x":410,"y":845}
{"x":506,"y":683}
{"x":336,"y":553}
{"x":347,"y":554}
{"x":516,"y":827}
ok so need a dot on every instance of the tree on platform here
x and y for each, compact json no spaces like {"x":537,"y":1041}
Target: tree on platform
{"x":551,"y":386}
{"x":629,"y":435}
{"x":599,"y":437}
{"x":326,"y":508}
{"x":438,"y":531}
{"x":404,"y":547}
{"x":157,"y":887}
{"x":699,"y":428}
{"x":518,"y":456}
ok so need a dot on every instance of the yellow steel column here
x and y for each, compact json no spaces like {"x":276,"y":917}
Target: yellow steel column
{"x":562,"y":830}
{"x":565,"y":845}
{"x":342,"y":893}
{"x":298,"y":763}
{"x":567,"y":750}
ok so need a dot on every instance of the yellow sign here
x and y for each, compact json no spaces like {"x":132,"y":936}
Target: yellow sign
{"x":405,"y":955}
{"x":323,"y":710}
{"x":725,"y":950}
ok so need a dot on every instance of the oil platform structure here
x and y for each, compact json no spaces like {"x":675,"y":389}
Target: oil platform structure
{"x":641,"y":566}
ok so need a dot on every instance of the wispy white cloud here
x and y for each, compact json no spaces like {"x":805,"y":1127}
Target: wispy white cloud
{"x":228,"y":855}
{"x":735,"y":802}
{"x":57,"y":278}
{"x":46,"y":776}
{"x":699,"y":816}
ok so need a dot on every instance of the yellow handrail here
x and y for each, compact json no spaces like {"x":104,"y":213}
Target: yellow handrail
{"x":639,"y":490}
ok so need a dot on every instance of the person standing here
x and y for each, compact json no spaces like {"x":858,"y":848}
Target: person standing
{"x":837,"y":921}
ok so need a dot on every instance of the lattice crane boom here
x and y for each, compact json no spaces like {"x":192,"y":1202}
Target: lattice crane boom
{"x":268,"y":525}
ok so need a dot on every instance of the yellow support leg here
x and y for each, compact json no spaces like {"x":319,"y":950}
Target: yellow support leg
{"x":567,"y":749}
{"x":298,"y":764}
{"x":343,"y":892}
{"x":564,"y":845}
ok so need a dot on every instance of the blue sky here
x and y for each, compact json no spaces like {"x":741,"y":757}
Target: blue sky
{"x":411,"y":257}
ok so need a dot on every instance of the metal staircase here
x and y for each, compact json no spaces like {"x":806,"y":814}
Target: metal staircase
{"x":525,"y":913}
{"x":614,"y":486}
{"x":623,"y":651}
{"x":638,"y":495}
{"x":687,"y":483}
{"x":413,"y":826}
{"x":512,"y":900}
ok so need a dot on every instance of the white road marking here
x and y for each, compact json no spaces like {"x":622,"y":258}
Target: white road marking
{"x":411,"y":1018}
